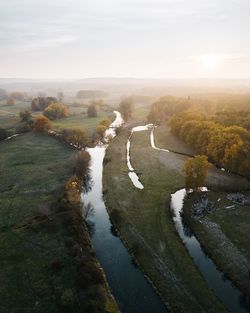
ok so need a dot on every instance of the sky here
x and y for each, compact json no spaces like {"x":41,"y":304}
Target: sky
{"x":71,"y":39}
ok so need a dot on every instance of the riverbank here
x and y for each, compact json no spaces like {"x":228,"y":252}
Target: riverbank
{"x":45,"y":245}
{"x":223,"y":233}
{"x":144,"y":221}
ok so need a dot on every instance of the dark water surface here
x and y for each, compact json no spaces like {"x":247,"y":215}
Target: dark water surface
{"x":129,"y":286}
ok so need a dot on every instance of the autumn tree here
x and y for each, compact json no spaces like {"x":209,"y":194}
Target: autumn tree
{"x":195,"y":170}
{"x":42,"y":124}
{"x":56,"y":111}
{"x":126,"y":108}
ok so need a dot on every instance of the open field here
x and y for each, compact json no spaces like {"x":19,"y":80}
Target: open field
{"x":80,"y":121}
{"x":9,"y":114}
{"x":43,"y":248}
{"x":146,"y":224}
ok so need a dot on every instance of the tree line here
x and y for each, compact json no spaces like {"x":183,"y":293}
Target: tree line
{"x":226,"y":146}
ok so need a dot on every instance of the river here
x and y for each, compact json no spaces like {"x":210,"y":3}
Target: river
{"x":129,"y":286}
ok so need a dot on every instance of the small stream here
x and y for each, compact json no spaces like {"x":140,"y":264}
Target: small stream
{"x":228,"y":294}
{"x":129,"y":286}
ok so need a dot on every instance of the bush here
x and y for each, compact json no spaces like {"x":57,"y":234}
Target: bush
{"x":42,"y":124}
{"x":56,"y":111}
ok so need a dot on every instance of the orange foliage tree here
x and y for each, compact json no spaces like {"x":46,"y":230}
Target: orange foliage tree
{"x":42,"y":124}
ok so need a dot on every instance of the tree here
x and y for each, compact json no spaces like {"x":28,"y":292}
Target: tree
{"x":105,"y":122}
{"x":3,"y":134}
{"x":41,"y":103}
{"x":75,"y":136}
{"x":195,"y":170}
{"x":126,"y":108}
{"x":42,"y":124}
{"x":19,"y":95}
{"x":167,"y":106}
{"x":92,"y":112}
{"x":27,"y":122}
{"x":100,"y":130}
{"x":82,"y":163}
{"x":60,"y":96}
{"x":56,"y":111}
{"x":25,"y":116}
{"x":10,"y":101}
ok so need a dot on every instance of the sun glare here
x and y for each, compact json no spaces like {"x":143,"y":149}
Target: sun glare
{"x":209,"y":61}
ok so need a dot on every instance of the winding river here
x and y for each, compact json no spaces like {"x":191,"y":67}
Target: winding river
{"x":228,"y":294}
{"x":129,"y":286}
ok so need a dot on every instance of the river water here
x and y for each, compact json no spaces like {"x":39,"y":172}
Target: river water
{"x":129,"y":286}
{"x":228,"y":294}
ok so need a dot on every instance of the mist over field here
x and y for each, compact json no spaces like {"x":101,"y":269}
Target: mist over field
{"x":124,"y":156}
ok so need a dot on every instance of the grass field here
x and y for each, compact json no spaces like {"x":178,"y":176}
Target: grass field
{"x":9,"y":114}
{"x":146,"y":222}
{"x":38,"y":260}
{"x":80,"y":121}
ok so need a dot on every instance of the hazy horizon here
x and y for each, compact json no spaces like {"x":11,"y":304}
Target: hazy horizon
{"x":171,"y":39}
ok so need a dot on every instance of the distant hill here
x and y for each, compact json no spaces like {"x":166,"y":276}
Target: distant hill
{"x":91,"y":94}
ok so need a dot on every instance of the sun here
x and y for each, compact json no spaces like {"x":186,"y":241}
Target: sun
{"x":209,"y":61}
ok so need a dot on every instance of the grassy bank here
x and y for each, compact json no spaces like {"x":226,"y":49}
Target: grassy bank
{"x":47,"y":261}
{"x":223,"y":234}
{"x":145,"y":222}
